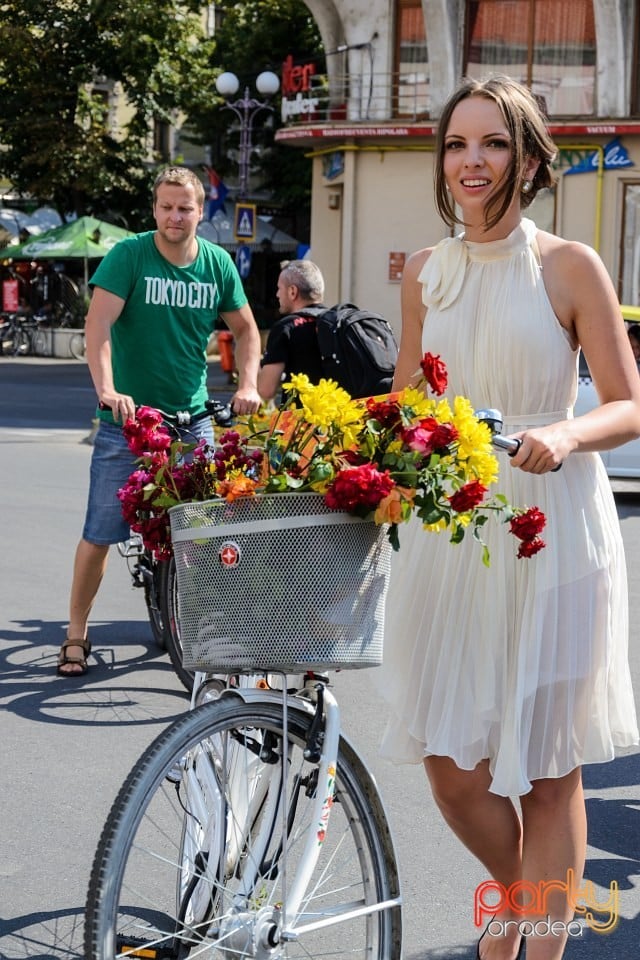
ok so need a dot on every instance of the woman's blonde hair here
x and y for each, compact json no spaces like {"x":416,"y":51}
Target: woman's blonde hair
{"x":529,"y":136}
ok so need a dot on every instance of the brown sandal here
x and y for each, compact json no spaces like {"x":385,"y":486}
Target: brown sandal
{"x":81,"y":662}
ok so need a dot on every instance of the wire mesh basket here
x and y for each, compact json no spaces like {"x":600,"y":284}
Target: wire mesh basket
{"x":278,"y":582}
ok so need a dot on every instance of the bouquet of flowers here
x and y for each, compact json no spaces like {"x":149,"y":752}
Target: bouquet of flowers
{"x":387,"y":458}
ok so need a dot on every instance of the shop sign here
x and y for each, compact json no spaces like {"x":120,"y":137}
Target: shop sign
{"x":10,"y":298}
{"x":615,"y":158}
{"x":297,"y":96}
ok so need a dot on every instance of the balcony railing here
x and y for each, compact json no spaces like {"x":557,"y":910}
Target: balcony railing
{"x":360,"y":98}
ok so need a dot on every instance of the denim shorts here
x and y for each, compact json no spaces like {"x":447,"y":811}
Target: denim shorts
{"x":111,"y":465}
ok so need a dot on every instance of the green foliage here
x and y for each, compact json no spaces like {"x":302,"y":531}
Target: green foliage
{"x":257,"y":35}
{"x":58,"y":61}
{"x":61,"y":57}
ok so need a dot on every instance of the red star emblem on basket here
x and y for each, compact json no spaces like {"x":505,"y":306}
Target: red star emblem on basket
{"x":229,"y":554}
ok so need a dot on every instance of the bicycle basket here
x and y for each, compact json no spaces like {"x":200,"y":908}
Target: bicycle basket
{"x":278,"y":582}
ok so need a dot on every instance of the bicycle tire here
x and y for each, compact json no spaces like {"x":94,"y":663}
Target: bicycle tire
{"x":164,"y":875}
{"x":39,"y":343}
{"x":152,"y":594}
{"x":77,"y":346}
{"x":20,"y":343}
{"x":169,"y":606}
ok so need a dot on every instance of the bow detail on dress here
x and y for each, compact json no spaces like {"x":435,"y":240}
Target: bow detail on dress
{"x":443,"y":273}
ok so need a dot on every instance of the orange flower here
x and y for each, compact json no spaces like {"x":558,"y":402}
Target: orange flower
{"x":234,"y":487}
{"x":394,"y":507}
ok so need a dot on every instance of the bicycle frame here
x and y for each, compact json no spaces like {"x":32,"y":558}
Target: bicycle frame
{"x":272,"y":798}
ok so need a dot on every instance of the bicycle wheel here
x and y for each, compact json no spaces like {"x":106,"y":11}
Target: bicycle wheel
{"x":190,"y":862}
{"x":77,"y":346}
{"x":152,"y":594}
{"x":168,"y":602}
{"x":39,"y":343}
{"x":20,"y":342}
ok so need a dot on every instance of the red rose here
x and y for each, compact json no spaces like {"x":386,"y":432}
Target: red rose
{"x":356,"y":487}
{"x":527,"y":525}
{"x":386,"y":412}
{"x":529,"y":547}
{"x":467,"y":497}
{"x":444,"y":434}
{"x":435,"y":372}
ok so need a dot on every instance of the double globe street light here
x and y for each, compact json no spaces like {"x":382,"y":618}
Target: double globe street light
{"x":246,"y":108}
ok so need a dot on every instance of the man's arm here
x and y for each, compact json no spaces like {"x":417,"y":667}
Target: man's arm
{"x":243,"y":326}
{"x":270,"y":380}
{"x":104,"y":310}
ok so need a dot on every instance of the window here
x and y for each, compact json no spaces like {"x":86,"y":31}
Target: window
{"x":629,"y":282}
{"x":547,"y":44}
{"x":411,"y":79}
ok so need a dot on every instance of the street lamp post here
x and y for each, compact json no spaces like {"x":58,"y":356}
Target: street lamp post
{"x":246,"y":108}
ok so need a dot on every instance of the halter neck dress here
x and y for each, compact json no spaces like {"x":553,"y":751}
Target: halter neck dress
{"x":525,"y":662}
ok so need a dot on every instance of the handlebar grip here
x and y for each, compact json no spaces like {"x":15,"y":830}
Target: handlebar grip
{"x":510,"y":445}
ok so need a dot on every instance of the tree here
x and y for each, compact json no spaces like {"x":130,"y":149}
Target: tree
{"x":57,"y":142}
{"x":252,"y":36}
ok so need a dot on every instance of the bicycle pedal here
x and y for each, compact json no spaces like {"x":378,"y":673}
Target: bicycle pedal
{"x":136,"y":947}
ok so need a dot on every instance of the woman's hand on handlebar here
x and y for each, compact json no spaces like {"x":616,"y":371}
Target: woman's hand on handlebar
{"x":246,"y":400}
{"x":542,"y":450}
{"x":121,"y":405}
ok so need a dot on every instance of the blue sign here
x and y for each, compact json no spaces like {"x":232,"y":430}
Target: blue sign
{"x":615,"y":157}
{"x":244,"y":227}
{"x":243,"y":261}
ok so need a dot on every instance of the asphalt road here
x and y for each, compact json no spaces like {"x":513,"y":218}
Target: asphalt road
{"x":67,"y":745}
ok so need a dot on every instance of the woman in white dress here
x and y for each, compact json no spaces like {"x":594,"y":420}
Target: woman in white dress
{"x":504,"y":681}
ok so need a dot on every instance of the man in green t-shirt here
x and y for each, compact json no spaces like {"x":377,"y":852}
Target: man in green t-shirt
{"x":156,"y":298}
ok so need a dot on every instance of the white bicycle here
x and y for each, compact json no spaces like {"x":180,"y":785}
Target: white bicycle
{"x":251,"y":827}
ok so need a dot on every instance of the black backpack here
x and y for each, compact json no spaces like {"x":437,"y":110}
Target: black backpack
{"x":357,"y":347}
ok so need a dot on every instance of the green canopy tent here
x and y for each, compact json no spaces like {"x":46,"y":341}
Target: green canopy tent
{"x":86,"y":238}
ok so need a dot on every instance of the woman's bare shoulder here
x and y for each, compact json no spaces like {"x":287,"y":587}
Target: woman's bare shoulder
{"x":416,"y":261}
{"x":565,"y":252}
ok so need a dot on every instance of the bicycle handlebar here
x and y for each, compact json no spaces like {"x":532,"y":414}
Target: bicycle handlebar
{"x":511,"y":445}
{"x":222,"y":413}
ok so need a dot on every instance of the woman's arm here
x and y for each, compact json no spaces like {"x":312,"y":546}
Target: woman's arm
{"x":585,"y":302}
{"x":413,"y":314}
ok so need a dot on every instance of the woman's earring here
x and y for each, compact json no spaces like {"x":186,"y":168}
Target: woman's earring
{"x":527,"y":186}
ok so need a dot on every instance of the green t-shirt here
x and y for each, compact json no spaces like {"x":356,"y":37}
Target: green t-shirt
{"x":159,"y":341}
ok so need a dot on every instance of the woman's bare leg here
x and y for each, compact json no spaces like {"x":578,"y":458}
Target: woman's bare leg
{"x":489,"y":827}
{"x":554,"y":842}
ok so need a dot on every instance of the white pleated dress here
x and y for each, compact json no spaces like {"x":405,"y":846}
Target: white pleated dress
{"x":524,"y":663}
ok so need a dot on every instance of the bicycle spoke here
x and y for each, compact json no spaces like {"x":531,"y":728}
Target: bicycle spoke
{"x":195,"y":858}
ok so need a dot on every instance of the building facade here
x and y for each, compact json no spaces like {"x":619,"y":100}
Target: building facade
{"x":368,"y":126}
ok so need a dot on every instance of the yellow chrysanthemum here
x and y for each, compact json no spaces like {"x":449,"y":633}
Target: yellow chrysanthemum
{"x":442,"y":412}
{"x":330,"y":408}
{"x":421,"y":405}
{"x":474,"y":444}
{"x":298,"y":382}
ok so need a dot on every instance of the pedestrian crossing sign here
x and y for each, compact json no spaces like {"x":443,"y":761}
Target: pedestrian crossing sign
{"x":244,"y":227}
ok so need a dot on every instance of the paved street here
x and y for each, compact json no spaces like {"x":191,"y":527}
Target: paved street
{"x":68,"y":744}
